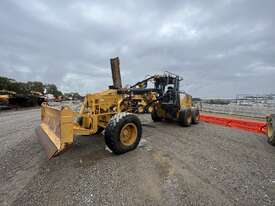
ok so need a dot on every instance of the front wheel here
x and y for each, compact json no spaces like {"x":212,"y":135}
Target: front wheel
{"x":123,"y":133}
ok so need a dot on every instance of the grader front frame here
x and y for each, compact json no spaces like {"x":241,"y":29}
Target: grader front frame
{"x":170,"y":103}
{"x":103,"y":110}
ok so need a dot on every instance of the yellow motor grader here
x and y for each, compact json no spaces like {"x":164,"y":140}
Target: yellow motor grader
{"x":170,"y":103}
{"x":100,"y":111}
{"x":109,"y":110}
{"x":5,"y":96}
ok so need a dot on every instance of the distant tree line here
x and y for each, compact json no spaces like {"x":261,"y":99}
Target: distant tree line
{"x":28,"y":87}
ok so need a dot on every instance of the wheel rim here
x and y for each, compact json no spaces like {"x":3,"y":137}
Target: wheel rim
{"x":269,"y":130}
{"x":128,"y":134}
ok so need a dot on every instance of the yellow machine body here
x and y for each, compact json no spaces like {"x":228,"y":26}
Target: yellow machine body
{"x":59,"y":126}
{"x":4,"y":98}
{"x":142,"y":100}
{"x":185,"y":101}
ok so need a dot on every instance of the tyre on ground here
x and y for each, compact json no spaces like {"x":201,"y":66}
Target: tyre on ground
{"x":185,"y":117}
{"x":195,"y":116}
{"x":123,"y":133}
{"x":154,"y":116}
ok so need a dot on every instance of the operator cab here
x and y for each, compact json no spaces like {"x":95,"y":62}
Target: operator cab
{"x":169,"y":94}
{"x":167,"y":86}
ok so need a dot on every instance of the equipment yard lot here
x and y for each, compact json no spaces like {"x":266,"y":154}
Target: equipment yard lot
{"x":200,"y":165}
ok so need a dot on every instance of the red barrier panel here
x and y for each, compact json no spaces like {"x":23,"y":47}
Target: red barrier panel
{"x":244,"y":124}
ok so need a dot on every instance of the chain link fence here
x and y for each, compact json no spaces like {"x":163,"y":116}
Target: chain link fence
{"x":255,"y":111}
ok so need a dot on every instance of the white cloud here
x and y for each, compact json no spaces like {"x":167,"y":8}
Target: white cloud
{"x":40,"y":10}
{"x":214,"y":45}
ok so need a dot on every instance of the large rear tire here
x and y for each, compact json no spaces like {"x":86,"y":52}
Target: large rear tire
{"x":123,"y":133}
{"x":185,"y":117}
{"x":195,"y":116}
{"x":154,"y":116}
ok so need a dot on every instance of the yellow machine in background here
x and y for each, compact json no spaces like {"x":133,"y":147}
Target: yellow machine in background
{"x":4,"y":98}
{"x":103,"y":110}
{"x":169,"y":103}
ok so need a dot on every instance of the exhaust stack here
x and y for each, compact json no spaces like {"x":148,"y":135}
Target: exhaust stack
{"x":117,"y":84}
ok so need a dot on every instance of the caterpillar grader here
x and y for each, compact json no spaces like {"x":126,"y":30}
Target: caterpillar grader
{"x":100,"y":111}
{"x":109,"y":111}
{"x":170,"y":103}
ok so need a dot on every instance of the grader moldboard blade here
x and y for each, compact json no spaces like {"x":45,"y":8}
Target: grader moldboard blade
{"x":55,"y":132}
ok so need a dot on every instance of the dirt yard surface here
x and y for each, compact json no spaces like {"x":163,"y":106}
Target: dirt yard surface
{"x":201,"y":165}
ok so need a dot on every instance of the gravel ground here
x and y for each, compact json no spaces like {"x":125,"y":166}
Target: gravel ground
{"x":201,"y":165}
